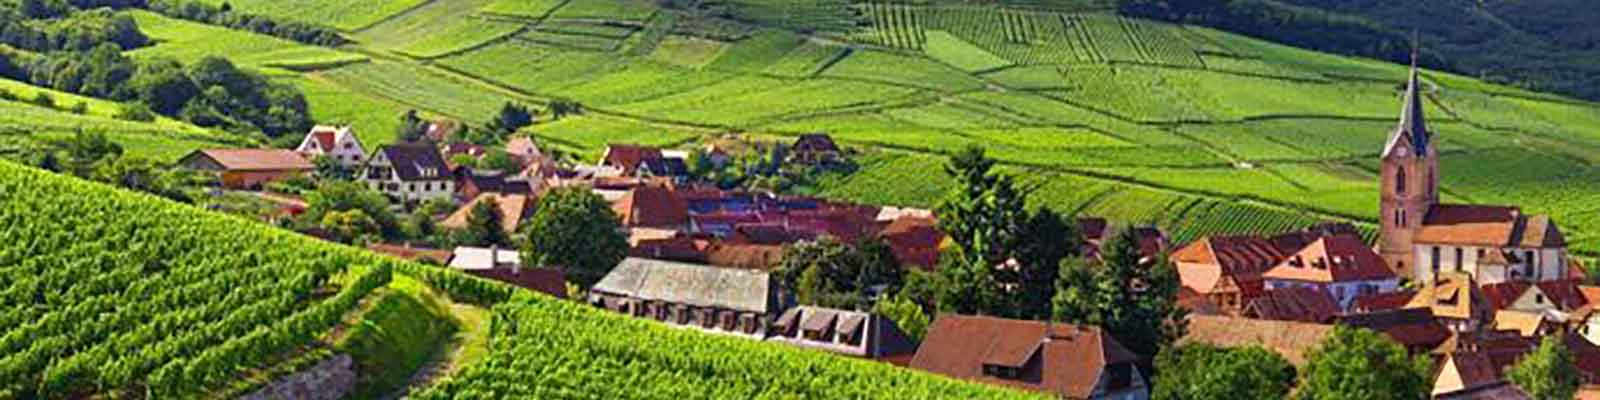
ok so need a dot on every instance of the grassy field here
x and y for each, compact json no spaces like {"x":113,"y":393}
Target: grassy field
{"x":188,"y":41}
{"x":347,"y":15}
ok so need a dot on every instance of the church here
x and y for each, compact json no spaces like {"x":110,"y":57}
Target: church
{"x":1421,"y":238}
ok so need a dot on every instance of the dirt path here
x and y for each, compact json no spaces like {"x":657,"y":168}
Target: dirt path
{"x":469,"y":345}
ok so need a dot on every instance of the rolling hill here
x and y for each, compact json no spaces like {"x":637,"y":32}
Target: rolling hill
{"x":1198,"y":130}
{"x":115,"y":293}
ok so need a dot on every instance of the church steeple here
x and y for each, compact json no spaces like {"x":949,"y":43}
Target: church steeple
{"x":1412,"y":134}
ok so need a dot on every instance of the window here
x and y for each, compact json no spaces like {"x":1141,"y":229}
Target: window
{"x":348,"y":145}
{"x":1000,"y":371}
{"x":1459,"y":266}
{"x":1436,"y":260}
{"x":1538,"y":299}
{"x":1400,"y":180}
{"x":411,"y":187}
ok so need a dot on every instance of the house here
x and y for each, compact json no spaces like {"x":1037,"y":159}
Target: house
{"x":1295,"y":303}
{"x":1377,"y":302}
{"x":409,"y":172}
{"x":1152,"y":241}
{"x":1472,"y":375}
{"x":1587,"y":323}
{"x":851,"y":333}
{"x":442,"y":131}
{"x":721,"y":300}
{"x":814,"y":148}
{"x":248,"y":168}
{"x":513,"y":208}
{"x":476,"y":151}
{"x":642,"y":161}
{"x":1528,"y":324}
{"x":471,"y":182}
{"x":506,"y":266}
{"x":1457,"y":302}
{"x":1341,"y":265}
{"x":744,"y":256}
{"x":525,"y":151}
{"x":915,"y":241}
{"x":652,"y":206}
{"x":1227,"y":269}
{"x":1070,"y":361}
{"x":1292,"y":340}
{"x":1422,"y":238}
{"x":337,"y":142}
{"x":1414,"y":328}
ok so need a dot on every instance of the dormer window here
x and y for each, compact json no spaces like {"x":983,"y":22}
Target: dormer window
{"x":1002,"y":371}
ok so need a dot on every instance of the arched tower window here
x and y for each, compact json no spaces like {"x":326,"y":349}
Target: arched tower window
{"x":1400,"y":180}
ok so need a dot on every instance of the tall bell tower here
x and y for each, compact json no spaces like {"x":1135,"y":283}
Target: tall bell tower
{"x":1410,"y":180}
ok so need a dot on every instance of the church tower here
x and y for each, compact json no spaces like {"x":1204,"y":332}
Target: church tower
{"x":1410,"y":180}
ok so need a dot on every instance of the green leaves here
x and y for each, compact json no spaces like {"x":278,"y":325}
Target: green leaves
{"x":1354,"y":363}
{"x":1548,"y":372}
{"x":575,"y":229}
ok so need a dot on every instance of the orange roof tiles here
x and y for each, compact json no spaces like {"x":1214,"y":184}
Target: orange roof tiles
{"x":1338,"y":258}
{"x":1070,"y":358}
{"x":255,"y":159}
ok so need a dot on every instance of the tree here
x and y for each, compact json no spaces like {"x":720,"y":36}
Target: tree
{"x":1355,"y":363}
{"x":511,"y":118}
{"x":330,"y":168}
{"x":845,"y":276}
{"x":906,"y":314}
{"x":1205,"y":372}
{"x":335,"y":196}
{"x":1133,"y":297}
{"x":87,"y":148}
{"x":1548,"y":372}
{"x":412,"y":128}
{"x":347,"y":226}
{"x":483,"y":223}
{"x":1000,"y":242}
{"x":575,"y":229}
{"x":499,"y":160}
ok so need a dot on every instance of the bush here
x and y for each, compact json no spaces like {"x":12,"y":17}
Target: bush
{"x":81,"y":108}
{"x":136,"y":111}
{"x":44,"y":100}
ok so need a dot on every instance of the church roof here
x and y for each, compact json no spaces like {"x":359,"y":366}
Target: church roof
{"x":1413,"y":128}
{"x":1491,"y":226}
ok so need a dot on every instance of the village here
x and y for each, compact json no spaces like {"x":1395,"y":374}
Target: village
{"x":1474,"y":288}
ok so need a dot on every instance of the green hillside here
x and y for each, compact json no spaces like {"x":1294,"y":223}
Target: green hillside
{"x":113,"y":293}
{"x":1199,"y":130}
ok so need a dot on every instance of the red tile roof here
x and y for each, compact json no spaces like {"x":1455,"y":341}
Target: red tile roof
{"x":1338,"y":258}
{"x":1564,"y":294}
{"x":1066,"y":359}
{"x":915,"y":241}
{"x":513,"y":209}
{"x":652,"y":206}
{"x":545,"y":280}
{"x":1501,"y":295}
{"x":745,"y":256}
{"x":255,"y":159}
{"x":325,"y":138}
{"x":1292,"y":340}
{"x":1243,"y":258}
{"x":1414,"y":328}
{"x":1294,"y":304}
{"x":1382,"y":301}
{"x":628,"y":158}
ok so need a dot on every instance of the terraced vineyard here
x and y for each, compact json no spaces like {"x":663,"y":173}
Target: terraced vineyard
{"x":106,"y":290}
{"x":1199,"y":130}
{"x":119,"y":294}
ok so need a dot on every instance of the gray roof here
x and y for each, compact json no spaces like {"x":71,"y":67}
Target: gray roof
{"x":1413,"y":127}
{"x":692,"y":284}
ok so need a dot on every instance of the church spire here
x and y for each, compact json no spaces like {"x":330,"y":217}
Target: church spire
{"x":1413,"y":128}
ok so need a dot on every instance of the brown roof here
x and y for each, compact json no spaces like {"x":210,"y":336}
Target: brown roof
{"x":746,"y":256}
{"x":1590,"y":293}
{"x":652,"y":206}
{"x":1494,"y":226}
{"x":1414,"y":328}
{"x":1501,"y":295}
{"x":1196,"y":303}
{"x":1294,"y":304}
{"x":1293,"y":340}
{"x":628,"y":158}
{"x":1338,"y":258}
{"x":1060,"y":358}
{"x":1456,"y":296}
{"x":1382,"y":301}
{"x":513,"y":209}
{"x":1464,"y":371}
{"x":1564,"y":294}
{"x":1243,"y":258}
{"x":815,"y":142}
{"x":545,"y":280}
{"x":915,"y":241}
{"x":255,"y":159}
{"x":325,"y":138}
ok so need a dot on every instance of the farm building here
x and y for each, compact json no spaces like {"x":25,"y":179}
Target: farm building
{"x":1340,"y":265}
{"x":1071,"y":361}
{"x":815,"y":148}
{"x":725,"y":300}
{"x":338,"y":143}
{"x":248,"y":168}
{"x":851,"y":333}
{"x":506,"y":266}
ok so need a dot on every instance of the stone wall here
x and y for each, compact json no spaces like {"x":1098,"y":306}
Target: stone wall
{"x":330,"y":379}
